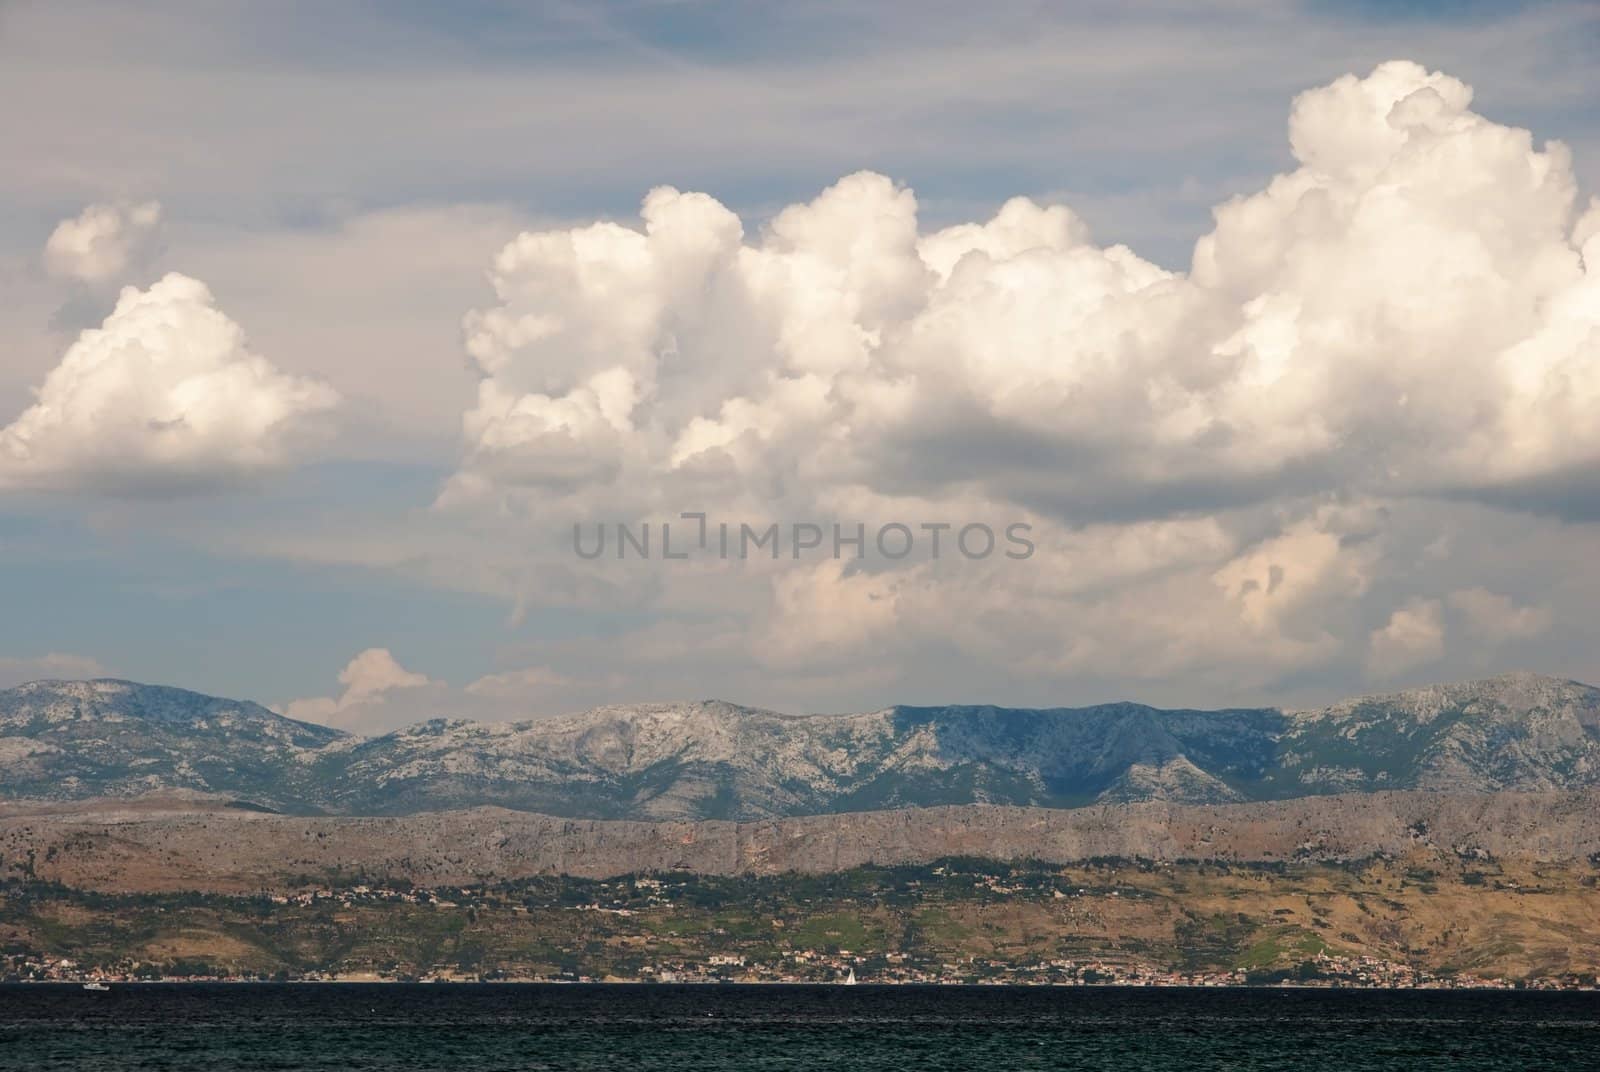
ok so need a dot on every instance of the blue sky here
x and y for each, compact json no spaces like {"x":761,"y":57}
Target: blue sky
{"x":342,"y":176}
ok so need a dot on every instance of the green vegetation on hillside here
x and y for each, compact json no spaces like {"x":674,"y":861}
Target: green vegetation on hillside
{"x":959,"y":920}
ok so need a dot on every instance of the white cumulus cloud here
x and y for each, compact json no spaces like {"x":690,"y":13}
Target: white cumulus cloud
{"x":166,"y":396}
{"x":380,"y":695}
{"x":371,"y":681}
{"x":1212,"y":459}
{"x":1408,"y":311}
{"x":103,"y":242}
{"x":1413,"y":637}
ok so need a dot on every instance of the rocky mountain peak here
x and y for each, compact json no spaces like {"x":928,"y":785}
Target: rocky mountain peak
{"x":115,"y":700}
{"x":1514,"y":694}
{"x":714,"y":759}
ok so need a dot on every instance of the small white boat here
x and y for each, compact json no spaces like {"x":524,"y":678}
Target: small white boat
{"x":96,"y":986}
{"x":850,"y":980}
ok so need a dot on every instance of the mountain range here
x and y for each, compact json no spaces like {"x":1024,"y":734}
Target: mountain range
{"x":74,"y":740}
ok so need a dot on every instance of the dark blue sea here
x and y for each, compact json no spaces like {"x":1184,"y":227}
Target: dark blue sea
{"x":215,"y":1028}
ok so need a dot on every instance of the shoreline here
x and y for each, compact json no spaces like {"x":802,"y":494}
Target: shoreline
{"x":722,"y":984}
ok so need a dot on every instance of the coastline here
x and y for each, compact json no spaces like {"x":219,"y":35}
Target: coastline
{"x":1541,"y":987}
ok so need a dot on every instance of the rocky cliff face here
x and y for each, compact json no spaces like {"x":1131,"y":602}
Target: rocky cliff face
{"x":715,"y":760}
{"x":178,"y":845}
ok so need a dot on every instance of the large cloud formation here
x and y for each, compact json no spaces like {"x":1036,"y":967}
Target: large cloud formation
{"x":1216,"y":460}
{"x":164,"y":397}
{"x":1410,"y":311}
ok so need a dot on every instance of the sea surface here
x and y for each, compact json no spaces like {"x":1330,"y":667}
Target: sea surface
{"x":346,"y":1026}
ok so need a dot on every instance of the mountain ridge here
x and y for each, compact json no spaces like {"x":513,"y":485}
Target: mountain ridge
{"x":186,"y":843}
{"x":718,"y":760}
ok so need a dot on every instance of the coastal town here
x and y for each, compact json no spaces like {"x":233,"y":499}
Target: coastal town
{"x":814,"y":967}
{"x":960,"y":922}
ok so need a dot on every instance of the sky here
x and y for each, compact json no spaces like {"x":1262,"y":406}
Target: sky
{"x":1263,"y":339}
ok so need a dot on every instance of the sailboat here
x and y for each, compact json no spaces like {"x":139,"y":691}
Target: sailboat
{"x":850,"y":980}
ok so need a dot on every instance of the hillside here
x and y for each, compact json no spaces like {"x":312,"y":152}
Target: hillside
{"x":714,"y":760}
{"x":67,"y":740}
{"x":184,"y":843}
{"x":1425,"y":919}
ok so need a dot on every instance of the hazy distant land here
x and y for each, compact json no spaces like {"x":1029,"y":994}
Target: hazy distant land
{"x":1446,"y":836}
